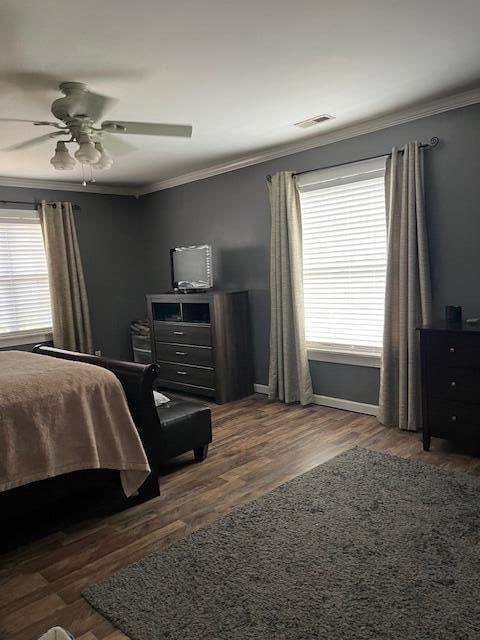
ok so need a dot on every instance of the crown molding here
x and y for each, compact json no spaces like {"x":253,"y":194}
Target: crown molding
{"x":57,"y":185}
{"x":358,"y":129}
{"x":424,"y":110}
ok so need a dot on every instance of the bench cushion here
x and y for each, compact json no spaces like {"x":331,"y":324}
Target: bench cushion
{"x":184,"y":425}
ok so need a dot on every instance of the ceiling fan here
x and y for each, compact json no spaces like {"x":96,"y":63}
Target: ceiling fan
{"x":78,"y":110}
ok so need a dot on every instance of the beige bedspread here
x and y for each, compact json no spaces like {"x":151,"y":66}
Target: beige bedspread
{"x":58,"y":416}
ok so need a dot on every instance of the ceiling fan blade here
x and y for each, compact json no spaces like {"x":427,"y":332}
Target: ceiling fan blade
{"x":30,"y":80}
{"x":117,"y":146}
{"x":37,"y":80}
{"x":33,"y":141}
{"x":44,"y":123}
{"x":38,"y":122}
{"x":148,"y":128}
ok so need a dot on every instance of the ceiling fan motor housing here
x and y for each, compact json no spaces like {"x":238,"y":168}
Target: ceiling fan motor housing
{"x":71,"y":105}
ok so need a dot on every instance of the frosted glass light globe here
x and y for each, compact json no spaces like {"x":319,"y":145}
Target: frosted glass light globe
{"x":86,"y":152}
{"x":105,"y":161}
{"x":62,"y":160}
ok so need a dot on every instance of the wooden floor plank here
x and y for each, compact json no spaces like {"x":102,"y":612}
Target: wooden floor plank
{"x":257,"y":446}
{"x":30,"y":613}
{"x":20,"y":585}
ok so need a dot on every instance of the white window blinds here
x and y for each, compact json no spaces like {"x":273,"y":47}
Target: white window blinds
{"x":24,"y":293}
{"x":344,"y":256}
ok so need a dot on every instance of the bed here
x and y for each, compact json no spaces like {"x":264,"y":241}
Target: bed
{"x":69,"y":419}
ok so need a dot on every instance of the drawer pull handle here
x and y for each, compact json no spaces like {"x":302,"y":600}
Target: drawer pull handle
{"x":454,"y":418}
{"x":453,"y":383}
{"x":180,"y":353}
{"x":178,"y":333}
{"x":182,"y":373}
{"x":452,"y":349}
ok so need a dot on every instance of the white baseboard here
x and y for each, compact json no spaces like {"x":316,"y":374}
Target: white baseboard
{"x":346,"y":405}
{"x":261,"y":388}
{"x":335,"y":403}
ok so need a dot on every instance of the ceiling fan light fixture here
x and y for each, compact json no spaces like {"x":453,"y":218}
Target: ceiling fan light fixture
{"x":79,"y":111}
{"x":86,"y":152}
{"x":62,"y":160}
{"x":105,"y":161}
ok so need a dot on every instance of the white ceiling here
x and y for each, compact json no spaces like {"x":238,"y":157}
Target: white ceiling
{"x":240,"y":71}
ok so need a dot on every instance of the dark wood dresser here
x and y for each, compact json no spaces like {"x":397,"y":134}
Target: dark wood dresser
{"x":450,"y":357}
{"x":201,"y":342}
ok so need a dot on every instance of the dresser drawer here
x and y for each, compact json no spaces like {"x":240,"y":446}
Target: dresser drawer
{"x":454,"y":383}
{"x":446,"y":418}
{"x":186,"y":374}
{"x":183,"y":333}
{"x":453,"y":349}
{"x":185,"y":354}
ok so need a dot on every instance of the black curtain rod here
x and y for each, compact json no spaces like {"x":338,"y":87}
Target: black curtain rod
{"x":75,"y":207}
{"x":427,"y":145}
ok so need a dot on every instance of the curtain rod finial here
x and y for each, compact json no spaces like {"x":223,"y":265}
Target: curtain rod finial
{"x":434,"y":141}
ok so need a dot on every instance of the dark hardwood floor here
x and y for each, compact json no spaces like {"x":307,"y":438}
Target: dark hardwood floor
{"x":257,"y":446}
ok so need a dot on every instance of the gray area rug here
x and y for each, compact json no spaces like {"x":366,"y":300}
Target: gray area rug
{"x":365,"y":546}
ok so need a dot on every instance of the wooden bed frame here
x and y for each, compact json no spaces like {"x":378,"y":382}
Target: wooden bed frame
{"x":137,"y":382}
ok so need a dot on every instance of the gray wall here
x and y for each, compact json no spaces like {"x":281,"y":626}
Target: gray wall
{"x":111,"y":243}
{"x":125,"y":242}
{"x":231,"y":212}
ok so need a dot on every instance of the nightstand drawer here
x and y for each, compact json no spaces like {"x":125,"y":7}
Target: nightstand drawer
{"x":454,"y":383}
{"x":186,"y":374}
{"x":184,"y":354}
{"x":453,"y":349}
{"x":447,"y":418}
{"x":180,"y":333}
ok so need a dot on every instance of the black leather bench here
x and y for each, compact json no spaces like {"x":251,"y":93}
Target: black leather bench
{"x":185,"y":425}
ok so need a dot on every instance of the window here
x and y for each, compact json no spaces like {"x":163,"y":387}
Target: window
{"x":25,"y":314}
{"x":344,"y":258}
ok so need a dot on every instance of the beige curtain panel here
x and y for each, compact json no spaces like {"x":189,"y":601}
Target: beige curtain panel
{"x":408,"y":299}
{"x":68,"y":294}
{"x":289,"y":374}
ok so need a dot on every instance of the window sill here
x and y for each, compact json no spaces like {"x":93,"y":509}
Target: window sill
{"x":24,"y":337}
{"x":342,"y":357}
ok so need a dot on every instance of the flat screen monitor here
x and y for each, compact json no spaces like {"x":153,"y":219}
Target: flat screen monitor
{"x":192,"y":267}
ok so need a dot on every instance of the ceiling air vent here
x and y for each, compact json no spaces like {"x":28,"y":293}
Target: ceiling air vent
{"x":305,"y":124}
